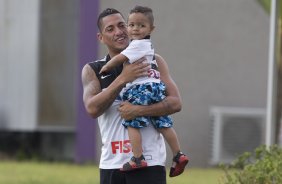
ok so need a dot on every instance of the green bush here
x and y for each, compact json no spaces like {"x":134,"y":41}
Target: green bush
{"x":263,"y":166}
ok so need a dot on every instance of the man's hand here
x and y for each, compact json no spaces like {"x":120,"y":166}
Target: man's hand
{"x":127,"y":111}
{"x":132,"y":71}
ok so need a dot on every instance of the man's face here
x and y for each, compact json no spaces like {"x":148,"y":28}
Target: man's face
{"x":114,"y":33}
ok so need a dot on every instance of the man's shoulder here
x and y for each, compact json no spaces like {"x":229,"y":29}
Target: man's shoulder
{"x":98,"y":62}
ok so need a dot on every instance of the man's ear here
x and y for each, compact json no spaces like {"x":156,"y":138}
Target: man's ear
{"x":100,"y":37}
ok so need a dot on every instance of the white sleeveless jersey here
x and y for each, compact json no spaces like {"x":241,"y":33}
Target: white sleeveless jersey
{"x":116,"y":148}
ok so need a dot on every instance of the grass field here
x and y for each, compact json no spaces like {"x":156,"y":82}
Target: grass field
{"x":63,"y":173}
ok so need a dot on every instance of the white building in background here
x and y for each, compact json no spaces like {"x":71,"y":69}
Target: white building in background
{"x":19,"y":64}
{"x":38,"y":46}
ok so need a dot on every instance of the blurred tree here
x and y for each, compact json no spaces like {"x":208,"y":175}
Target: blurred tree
{"x":266,"y":4}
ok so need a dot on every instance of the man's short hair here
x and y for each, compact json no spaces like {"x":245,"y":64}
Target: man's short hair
{"x":148,"y":12}
{"x":106,"y":12}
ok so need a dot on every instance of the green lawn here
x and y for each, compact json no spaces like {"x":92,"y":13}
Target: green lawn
{"x":62,"y":173}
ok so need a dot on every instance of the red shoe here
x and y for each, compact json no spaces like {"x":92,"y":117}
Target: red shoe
{"x":137,"y":163}
{"x":178,"y":165}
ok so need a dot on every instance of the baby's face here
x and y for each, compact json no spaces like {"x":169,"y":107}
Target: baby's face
{"x":138,"y":26}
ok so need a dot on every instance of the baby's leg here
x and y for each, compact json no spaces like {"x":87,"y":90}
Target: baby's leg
{"x":135,"y":140}
{"x":180,"y":160}
{"x":171,"y":138}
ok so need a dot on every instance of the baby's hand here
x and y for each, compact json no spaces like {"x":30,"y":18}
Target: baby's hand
{"x":104,"y":69}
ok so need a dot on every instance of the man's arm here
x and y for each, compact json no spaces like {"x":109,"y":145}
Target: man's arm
{"x":97,"y":101}
{"x":171,"y":104}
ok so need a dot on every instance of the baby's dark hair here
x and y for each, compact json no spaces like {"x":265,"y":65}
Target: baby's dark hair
{"x":106,"y":12}
{"x":148,"y":12}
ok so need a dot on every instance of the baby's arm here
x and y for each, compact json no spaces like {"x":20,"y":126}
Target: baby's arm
{"x":114,"y":62}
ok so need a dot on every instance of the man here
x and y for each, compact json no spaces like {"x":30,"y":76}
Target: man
{"x":102,"y":101}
